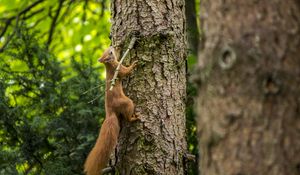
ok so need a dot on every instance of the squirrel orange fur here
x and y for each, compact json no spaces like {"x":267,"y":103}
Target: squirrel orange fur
{"x":117,"y":104}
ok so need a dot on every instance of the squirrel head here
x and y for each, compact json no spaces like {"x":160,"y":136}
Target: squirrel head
{"x":108,"y":56}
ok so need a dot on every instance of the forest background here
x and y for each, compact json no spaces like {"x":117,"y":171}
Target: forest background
{"x":246,"y":83}
{"x":52,"y":87}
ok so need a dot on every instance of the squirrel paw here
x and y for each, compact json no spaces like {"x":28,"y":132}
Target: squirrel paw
{"x":135,"y":63}
{"x":134,"y":117}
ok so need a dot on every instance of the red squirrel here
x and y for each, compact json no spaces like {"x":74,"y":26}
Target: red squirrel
{"x":117,"y":104}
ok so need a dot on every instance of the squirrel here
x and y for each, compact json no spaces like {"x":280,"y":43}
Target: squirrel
{"x":117,"y":105}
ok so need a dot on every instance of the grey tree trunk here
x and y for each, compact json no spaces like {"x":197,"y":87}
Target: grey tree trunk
{"x":248,"y":105}
{"x":156,"y":144}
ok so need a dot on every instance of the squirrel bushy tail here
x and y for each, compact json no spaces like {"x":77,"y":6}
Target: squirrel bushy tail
{"x":106,"y":142}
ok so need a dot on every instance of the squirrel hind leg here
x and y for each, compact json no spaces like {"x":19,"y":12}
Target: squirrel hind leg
{"x":128,"y":110}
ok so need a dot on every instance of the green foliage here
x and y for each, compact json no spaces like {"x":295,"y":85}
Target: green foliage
{"x":48,"y":119}
{"x":47,"y":123}
{"x":191,"y":118}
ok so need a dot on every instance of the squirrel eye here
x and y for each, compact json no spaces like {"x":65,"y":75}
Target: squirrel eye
{"x":110,"y":52}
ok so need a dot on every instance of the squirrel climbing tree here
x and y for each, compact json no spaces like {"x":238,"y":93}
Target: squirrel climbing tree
{"x":117,"y":105}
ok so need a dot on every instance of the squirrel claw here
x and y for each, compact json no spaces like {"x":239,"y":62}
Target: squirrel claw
{"x":135,"y":63}
{"x":135,"y":117}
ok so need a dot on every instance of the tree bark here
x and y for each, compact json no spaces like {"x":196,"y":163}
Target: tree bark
{"x":156,"y":144}
{"x":248,"y":103}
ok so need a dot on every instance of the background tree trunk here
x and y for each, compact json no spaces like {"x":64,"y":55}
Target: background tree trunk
{"x":248,"y":106}
{"x":155,"y":145}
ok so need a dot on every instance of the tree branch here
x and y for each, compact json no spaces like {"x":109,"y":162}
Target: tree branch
{"x":103,"y":7}
{"x":33,"y":13}
{"x":113,"y":80}
{"x":10,"y":36}
{"x":53,"y":24}
{"x":9,"y":20}
{"x":30,"y":7}
{"x":7,"y":23}
{"x":64,"y":14}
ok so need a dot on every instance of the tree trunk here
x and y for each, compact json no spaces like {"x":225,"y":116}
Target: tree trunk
{"x":248,"y":103}
{"x":156,"y":144}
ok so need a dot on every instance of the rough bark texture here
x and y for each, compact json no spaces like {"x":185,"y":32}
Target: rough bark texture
{"x":156,"y":144}
{"x":248,"y":104}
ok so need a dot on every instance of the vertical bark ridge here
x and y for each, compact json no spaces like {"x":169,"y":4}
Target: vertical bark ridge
{"x":155,"y":145}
